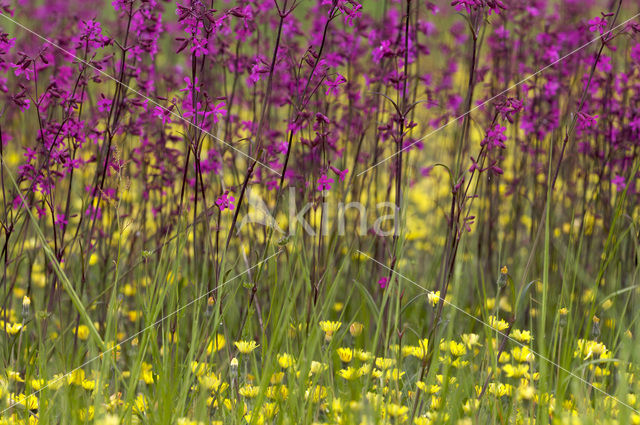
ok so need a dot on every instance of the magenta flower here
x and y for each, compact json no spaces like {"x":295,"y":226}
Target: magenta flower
{"x":104,"y":104}
{"x":472,"y":5}
{"x":332,"y":86}
{"x":324,"y":183}
{"x":495,"y":137}
{"x":90,"y":36}
{"x":340,"y":174}
{"x":23,"y":69}
{"x":163,"y":113}
{"x":225,"y":201}
{"x":508,"y":108}
{"x":350,"y":9}
{"x":199,"y":47}
{"x":382,"y":282}
{"x":426,"y":171}
{"x":191,"y":85}
{"x":619,"y":182}
{"x":597,"y":24}
{"x":383,"y":51}
{"x":218,"y":111}
{"x":61,"y":220}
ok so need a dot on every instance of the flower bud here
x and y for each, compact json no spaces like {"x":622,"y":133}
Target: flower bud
{"x":26,"y":303}
{"x":356,"y":329}
{"x":595,"y":327}
{"x":502,"y":279}
{"x":209,"y":310}
{"x":233,"y":367}
{"x":562,"y":320}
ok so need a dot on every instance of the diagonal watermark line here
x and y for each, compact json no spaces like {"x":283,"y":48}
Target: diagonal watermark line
{"x":142,"y":95}
{"x":501,"y":333}
{"x":448,"y":123}
{"x":131,"y":337}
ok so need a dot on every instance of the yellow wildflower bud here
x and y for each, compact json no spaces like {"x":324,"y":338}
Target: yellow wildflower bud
{"x":356,"y":329}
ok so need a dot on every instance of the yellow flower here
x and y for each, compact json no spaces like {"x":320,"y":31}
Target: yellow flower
{"x":248,"y":391}
{"x":457,"y":349}
{"x":36,"y":384}
{"x":269,"y":410}
{"x":30,"y":402}
{"x":383,"y":363}
{"x":76,"y":377}
{"x":246,"y":347}
{"x":522,"y":354}
{"x":522,"y":336}
{"x":504,"y":357}
{"x":213,"y":383}
{"x":498,"y":324}
{"x":471,"y":406}
{"x":436,"y":402}
{"x":459,"y":363}
{"x":345,"y":354}
{"x":363,"y":356}
{"x":591,"y":349}
{"x":198,"y":369}
{"x":364,"y":370}
{"x":276,"y":378}
{"x":519,"y":371}
{"x":86,"y":414}
{"x":317,"y":394}
{"x":499,"y":389}
{"x":83,"y":332}
{"x":140,"y":404}
{"x":433,"y":297}
{"x":11,"y":328}
{"x":329,"y":328}
{"x":422,"y":420}
{"x":396,"y":410}
{"x":146,"y":373}
{"x":277,"y":392}
{"x":440,"y":379}
{"x":217,"y":345}
{"x":56,"y":382}
{"x":526,"y":392}
{"x":285,"y":360}
{"x":470,"y":340}
{"x":317,"y":367}
{"x":349,"y":373}
{"x":134,"y":315}
{"x":88,"y":384}
{"x":394,"y":374}
{"x":129,"y":290}
{"x":14,"y":376}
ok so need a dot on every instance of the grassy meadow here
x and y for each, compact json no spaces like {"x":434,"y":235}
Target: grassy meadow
{"x":319,"y":212}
